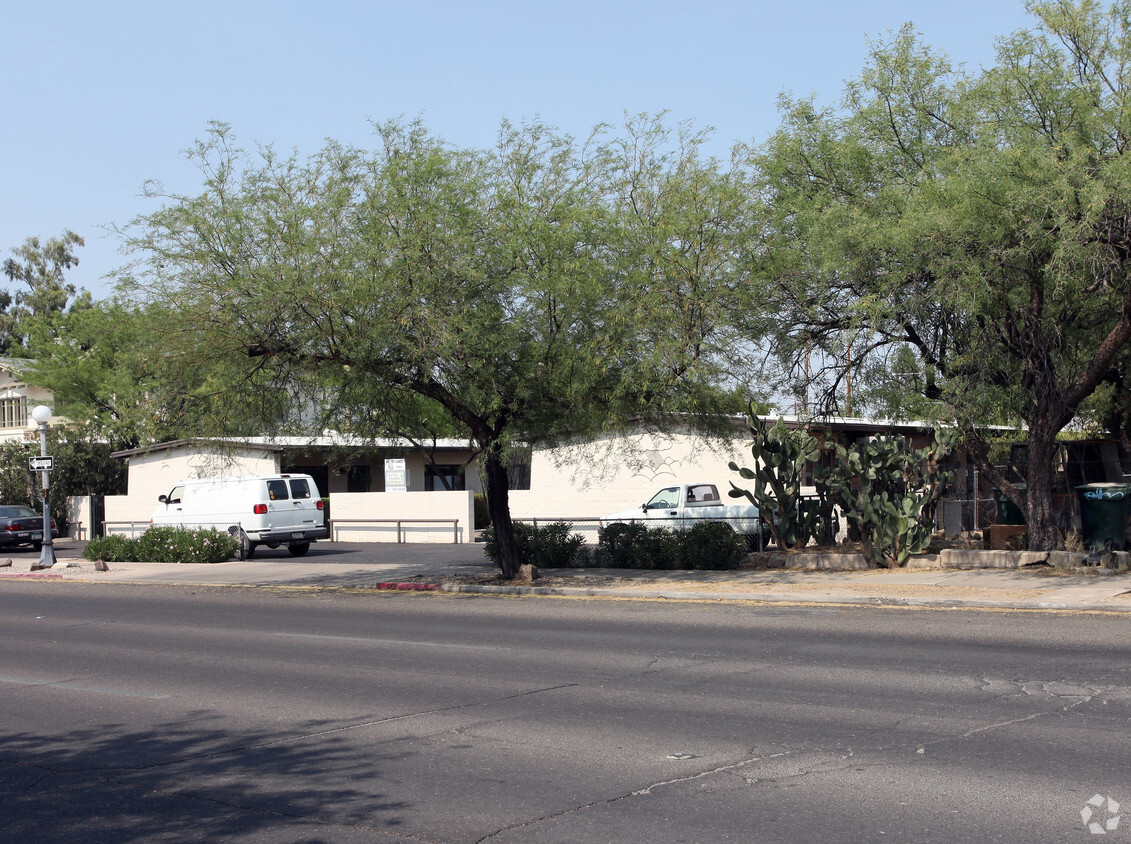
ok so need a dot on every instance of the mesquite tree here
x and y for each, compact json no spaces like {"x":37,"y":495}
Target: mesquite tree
{"x":979,"y":222}
{"x":528,"y":293}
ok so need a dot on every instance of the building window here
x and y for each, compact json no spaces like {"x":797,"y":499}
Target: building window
{"x":358,"y":479}
{"x":13,"y":412}
{"x":441,"y":478}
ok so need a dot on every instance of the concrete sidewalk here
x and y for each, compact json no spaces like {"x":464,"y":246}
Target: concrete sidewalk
{"x":454,"y":568}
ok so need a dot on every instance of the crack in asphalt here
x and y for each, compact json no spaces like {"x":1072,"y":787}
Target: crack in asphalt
{"x":1078,"y":695}
{"x":721,"y":769}
{"x":79,"y":773}
{"x":1032,"y":688}
{"x":292,"y":738}
{"x":76,"y":684}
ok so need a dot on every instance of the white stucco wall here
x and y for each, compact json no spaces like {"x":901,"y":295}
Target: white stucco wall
{"x":618,"y":474}
{"x":570,"y":483}
{"x":438,"y":508}
{"x":154,"y":474}
{"x":79,"y":516}
{"x":415,"y":465}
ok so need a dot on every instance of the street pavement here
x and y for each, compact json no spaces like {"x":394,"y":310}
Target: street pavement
{"x":453,"y":568}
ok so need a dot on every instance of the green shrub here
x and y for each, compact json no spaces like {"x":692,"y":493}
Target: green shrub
{"x":556,"y":546}
{"x":491,"y":543}
{"x":634,"y":545}
{"x":713,"y":546}
{"x":113,"y":549}
{"x":552,"y":546}
{"x":165,"y":544}
{"x":620,"y":545}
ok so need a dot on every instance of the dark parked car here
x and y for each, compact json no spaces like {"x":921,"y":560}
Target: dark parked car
{"x":22,"y":526}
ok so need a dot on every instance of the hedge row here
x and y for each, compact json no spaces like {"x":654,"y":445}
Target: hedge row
{"x":711,"y":546}
{"x":164,"y":544}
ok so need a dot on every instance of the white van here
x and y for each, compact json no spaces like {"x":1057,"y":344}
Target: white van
{"x":269,"y":510}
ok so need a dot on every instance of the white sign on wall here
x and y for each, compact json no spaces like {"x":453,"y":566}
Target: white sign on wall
{"x":396,"y":475}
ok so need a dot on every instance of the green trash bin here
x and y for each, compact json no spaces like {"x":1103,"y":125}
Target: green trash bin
{"x":1103,"y":512}
{"x":1008,"y":513}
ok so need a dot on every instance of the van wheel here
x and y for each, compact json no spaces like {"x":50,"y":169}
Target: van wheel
{"x":298,"y":549}
{"x":246,"y":547}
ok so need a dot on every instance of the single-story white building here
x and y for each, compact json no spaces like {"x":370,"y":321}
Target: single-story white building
{"x":397,"y":491}
{"x":376,"y":491}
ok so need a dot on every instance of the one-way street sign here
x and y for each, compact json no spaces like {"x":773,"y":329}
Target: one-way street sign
{"x":41,"y":464}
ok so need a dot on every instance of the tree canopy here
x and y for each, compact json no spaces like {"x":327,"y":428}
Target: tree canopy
{"x":972,"y":227}
{"x":29,"y":315}
{"x":110,"y":370}
{"x":943,"y":244}
{"x":540,"y":290}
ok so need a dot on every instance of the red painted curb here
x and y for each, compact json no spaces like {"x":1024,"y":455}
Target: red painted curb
{"x":32,"y":576}
{"x":409,"y":587}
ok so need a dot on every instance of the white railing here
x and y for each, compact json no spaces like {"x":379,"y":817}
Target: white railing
{"x":361,"y":525}
{"x":132,"y":529}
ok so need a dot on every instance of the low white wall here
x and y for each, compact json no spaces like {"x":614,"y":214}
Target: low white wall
{"x":127,"y":514}
{"x":422,"y":516}
{"x":79,"y":516}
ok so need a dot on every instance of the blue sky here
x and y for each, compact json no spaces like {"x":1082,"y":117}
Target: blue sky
{"x":101,"y":96}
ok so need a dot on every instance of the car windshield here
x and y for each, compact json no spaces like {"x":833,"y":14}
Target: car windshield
{"x":665,"y":498}
{"x":16,"y":512}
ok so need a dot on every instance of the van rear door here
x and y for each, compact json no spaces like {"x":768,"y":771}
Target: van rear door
{"x":279,"y":506}
{"x":304,"y":496}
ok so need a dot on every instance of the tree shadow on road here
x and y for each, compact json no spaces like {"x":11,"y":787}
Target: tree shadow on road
{"x":192,"y":780}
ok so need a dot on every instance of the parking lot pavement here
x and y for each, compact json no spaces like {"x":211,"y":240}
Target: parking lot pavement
{"x":464,"y":568}
{"x":327,"y":564}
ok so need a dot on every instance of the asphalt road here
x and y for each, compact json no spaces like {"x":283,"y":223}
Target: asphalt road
{"x":156,"y":713}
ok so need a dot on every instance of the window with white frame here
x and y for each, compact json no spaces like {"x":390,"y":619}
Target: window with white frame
{"x":13,"y":412}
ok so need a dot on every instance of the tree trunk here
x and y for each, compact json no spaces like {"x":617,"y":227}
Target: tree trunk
{"x":498,"y":506}
{"x":1037,"y":503}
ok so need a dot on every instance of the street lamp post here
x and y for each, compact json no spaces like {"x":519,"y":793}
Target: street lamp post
{"x":41,"y":414}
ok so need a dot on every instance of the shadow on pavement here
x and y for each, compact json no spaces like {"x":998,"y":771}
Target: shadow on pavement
{"x":196,"y":780}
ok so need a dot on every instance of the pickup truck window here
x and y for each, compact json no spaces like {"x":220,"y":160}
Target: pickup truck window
{"x":665,"y":498}
{"x":699,"y":495}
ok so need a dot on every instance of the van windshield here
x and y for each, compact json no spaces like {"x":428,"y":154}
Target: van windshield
{"x":277,"y":490}
{"x":300,"y":488}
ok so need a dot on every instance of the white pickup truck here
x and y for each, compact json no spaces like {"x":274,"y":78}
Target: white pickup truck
{"x":681,"y":505}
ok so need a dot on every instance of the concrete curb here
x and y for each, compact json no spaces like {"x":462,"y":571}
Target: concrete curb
{"x":933,"y":585}
{"x":782,"y":598}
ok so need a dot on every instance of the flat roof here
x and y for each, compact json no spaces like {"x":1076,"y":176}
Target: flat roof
{"x":277,"y":444}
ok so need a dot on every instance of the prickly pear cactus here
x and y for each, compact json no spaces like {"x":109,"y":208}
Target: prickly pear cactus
{"x":780,"y":454}
{"x":890,"y":492}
